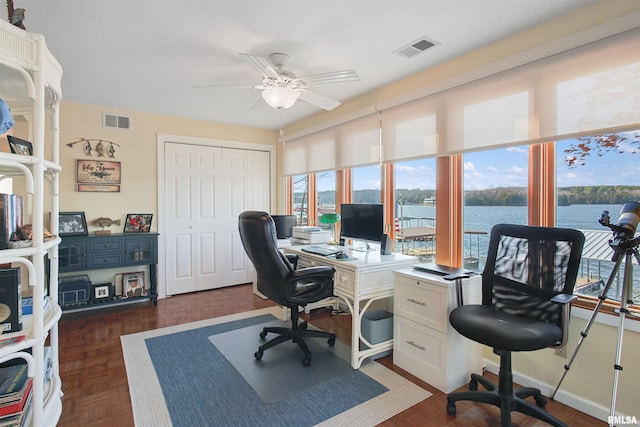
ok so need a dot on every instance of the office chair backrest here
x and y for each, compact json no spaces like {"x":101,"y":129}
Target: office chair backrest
{"x":527,"y":265}
{"x":258,"y":235}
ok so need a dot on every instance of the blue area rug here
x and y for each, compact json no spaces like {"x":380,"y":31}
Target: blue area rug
{"x":177,"y":377}
{"x":271,"y":376}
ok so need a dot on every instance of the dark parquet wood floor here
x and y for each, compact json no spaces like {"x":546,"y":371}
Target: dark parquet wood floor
{"x":94,"y":380}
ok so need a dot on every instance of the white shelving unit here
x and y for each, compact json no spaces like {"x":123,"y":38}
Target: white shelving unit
{"x":30,"y":80}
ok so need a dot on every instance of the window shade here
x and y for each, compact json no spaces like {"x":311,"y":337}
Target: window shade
{"x":311,"y":153}
{"x":358,"y":142}
{"x":409,"y":130}
{"x":589,"y":90}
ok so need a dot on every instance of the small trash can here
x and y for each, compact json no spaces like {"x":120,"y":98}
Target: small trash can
{"x":376,"y":327}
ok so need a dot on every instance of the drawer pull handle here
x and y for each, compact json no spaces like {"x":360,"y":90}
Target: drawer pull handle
{"x":420,"y":347}
{"x":417,"y":302}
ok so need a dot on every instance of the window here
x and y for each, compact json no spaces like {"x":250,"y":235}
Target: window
{"x":301,"y":198}
{"x":597,"y":174}
{"x":495,"y":191}
{"x":366,"y":184}
{"x":415,"y":210}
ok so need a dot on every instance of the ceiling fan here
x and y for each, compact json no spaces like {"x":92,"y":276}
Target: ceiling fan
{"x":281,"y":89}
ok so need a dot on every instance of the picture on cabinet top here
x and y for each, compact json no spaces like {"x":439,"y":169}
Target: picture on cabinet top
{"x":138,"y":223}
{"x":72,"y":224}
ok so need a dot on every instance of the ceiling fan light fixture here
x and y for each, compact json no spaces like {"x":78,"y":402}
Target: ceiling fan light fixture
{"x":280,"y":98}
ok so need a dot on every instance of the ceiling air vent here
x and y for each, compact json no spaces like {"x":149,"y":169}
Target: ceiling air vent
{"x":416,"y":47}
{"x":118,"y":122}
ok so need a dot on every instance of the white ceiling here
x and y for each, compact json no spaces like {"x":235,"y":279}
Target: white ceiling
{"x":146,"y":55}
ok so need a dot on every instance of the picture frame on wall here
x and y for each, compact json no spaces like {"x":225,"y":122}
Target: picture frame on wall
{"x":20,"y":146}
{"x":138,"y":223}
{"x":72,"y":224}
{"x":133,"y":285}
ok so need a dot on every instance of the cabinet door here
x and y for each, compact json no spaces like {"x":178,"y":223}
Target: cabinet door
{"x":72,"y":255}
{"x":140,"y":250}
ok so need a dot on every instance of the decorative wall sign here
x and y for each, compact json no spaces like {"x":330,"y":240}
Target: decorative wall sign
{"x":97,"y":175}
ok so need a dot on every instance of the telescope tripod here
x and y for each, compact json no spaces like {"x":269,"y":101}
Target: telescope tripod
{"x":630,"y":249}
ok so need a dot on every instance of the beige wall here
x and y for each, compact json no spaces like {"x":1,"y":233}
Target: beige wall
{"x":591,"y":376}
{"x":137,"y":155}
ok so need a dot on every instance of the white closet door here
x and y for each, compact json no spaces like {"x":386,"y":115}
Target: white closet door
{"x":195,"y":247}
{"x":247,"y":179}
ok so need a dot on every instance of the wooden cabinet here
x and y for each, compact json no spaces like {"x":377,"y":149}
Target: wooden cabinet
{"x":425,"y":344}
{"x":86,"y":253}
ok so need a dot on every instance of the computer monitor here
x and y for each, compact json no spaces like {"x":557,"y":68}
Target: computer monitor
{"x":284,"y":225}
{"x":362,"y":221}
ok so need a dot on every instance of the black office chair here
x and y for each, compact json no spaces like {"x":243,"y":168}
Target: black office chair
{"x":527,"y":284}
{"x":279,"y":281}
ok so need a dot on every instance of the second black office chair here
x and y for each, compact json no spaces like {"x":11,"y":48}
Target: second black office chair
{"x":527,"y":282}
{"x":279,"y":281}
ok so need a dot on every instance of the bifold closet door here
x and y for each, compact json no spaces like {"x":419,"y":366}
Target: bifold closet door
{"x":206,"y":189}
{"x":195,"y":249}
{"x":247,"y":180}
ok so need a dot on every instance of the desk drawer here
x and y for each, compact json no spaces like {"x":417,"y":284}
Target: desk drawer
{"x":422,"y":302}
{"x":421,"y":351}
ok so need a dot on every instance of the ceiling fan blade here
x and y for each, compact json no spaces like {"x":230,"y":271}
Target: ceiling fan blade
{"x":318,"y":100}
{"x":328,"y":78}
{"x":230,"y":86}
{"x":261,"y":64}
{"x":260,"y":104}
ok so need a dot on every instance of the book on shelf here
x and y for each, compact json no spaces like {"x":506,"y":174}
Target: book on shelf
{"x":10,"y":300}
{"x":13,"y":382}
{"x":10,"y":217}
{"x":19,"y":419}
{"x":8,"y":341}
{"x":11,"y":408}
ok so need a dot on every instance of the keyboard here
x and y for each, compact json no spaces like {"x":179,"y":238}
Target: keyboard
{"x":321,"y":250}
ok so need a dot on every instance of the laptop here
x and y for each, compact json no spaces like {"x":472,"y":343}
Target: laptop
{"x":441,"y":270}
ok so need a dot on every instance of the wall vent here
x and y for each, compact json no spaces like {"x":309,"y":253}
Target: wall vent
{"x":118,"y":122}
{"x":416,"y":47}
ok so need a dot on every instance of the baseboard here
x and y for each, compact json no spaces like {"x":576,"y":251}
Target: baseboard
{"x":581,"y":404}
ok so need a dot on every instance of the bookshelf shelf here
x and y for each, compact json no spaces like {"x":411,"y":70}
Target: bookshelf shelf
{"x":31,"y":87}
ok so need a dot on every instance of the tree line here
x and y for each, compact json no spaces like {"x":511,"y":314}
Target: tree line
{"x":505,"y":196}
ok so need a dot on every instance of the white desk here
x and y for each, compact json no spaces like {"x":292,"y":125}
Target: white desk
{"x":358,"y":281}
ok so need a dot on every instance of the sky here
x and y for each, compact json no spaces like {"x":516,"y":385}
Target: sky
{"x":509,"y":167}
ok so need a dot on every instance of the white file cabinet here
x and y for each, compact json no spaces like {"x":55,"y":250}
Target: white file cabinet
{"x":425,"y":344}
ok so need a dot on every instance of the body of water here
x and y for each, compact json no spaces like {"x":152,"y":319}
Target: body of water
{"x":478,"y":220}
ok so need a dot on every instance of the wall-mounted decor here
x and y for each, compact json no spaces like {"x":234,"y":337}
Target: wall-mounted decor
{"x":98,"y":175}
{"x":72,"y":224}
{"x":20,"y":146}
{"x":138,"y":223}
{"x":100,"y":147}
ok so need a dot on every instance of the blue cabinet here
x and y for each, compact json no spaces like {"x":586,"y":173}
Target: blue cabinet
{"x":95,"y":252}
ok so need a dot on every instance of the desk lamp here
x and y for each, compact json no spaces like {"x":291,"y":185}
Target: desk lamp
{"x":331,"y":218}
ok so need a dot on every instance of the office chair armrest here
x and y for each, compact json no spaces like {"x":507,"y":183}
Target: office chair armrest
{"x":293,"y":260}
{"x":311,"y":273}
{"x":565,"y":300}
{"x":458,"y":278}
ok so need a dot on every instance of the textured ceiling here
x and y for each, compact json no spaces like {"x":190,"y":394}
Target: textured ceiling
{"x":148,"y":55}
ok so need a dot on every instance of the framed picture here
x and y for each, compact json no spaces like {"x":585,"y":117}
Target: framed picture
{"x":102,"y":292}
{"x":138,"y":223}
{"x":72,"y":224}
{"x":133,"y":285}
{"x":20,"y":146}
